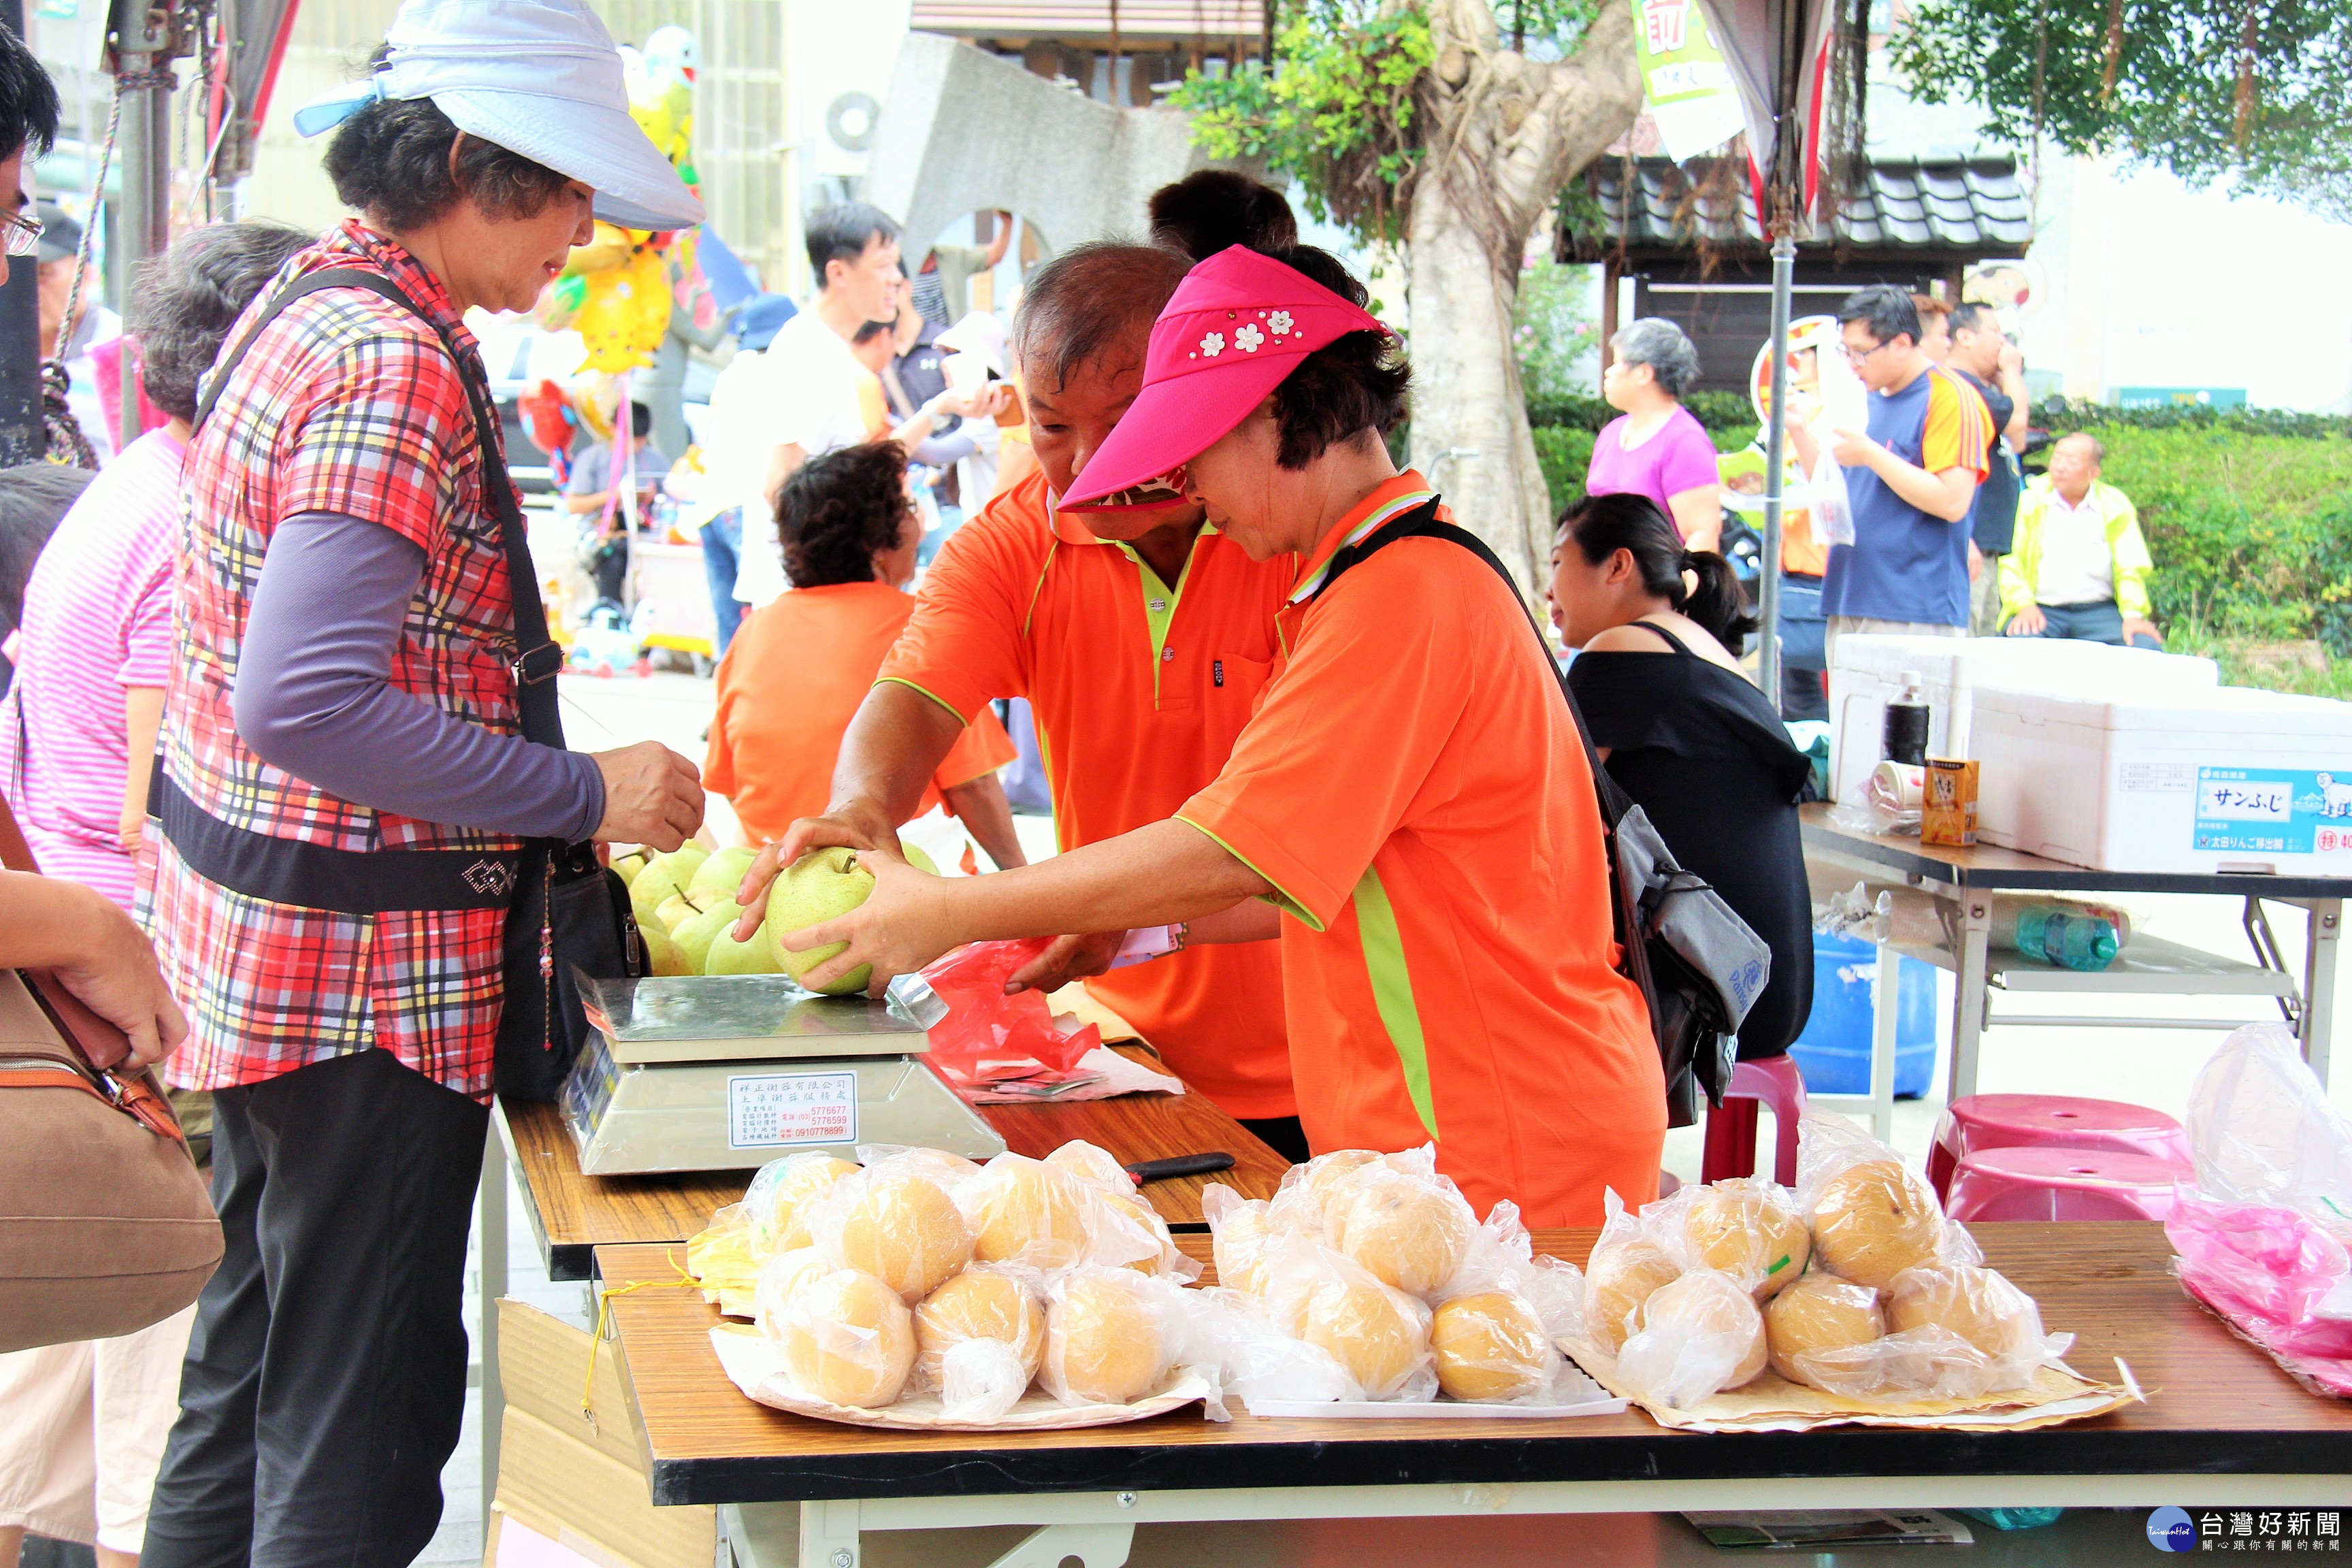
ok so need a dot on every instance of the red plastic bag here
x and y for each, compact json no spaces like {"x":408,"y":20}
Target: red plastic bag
{"x":987,"y":1035}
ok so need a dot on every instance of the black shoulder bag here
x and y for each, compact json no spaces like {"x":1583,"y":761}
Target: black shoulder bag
{"x":564,"y":909}
{"x":1697,"y":963}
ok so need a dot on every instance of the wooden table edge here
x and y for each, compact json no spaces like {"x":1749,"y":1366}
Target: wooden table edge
{"x":1404,"y":1453}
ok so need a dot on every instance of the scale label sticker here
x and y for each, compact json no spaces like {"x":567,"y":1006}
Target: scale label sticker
{"x":2158,"y":778}
{"x":775,"y":1109}
{"x":2274,"y":810}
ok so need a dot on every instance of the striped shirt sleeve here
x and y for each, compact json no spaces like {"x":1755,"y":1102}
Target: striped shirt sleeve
{"x":1959,"y":434}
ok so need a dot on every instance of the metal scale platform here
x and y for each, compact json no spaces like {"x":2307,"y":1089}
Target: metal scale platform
{"x":726,"y":1072}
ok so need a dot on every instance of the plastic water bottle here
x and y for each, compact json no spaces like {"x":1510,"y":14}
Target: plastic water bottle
{"x":2068,"y":939}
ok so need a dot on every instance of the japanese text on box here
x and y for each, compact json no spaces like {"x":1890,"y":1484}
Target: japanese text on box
{"x":775,"y":1108}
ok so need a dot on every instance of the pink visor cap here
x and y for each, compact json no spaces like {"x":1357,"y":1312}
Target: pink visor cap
{"x":1240,"y":322}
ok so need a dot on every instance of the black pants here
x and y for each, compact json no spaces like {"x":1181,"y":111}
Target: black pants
{"x":326,"y":1377}
{"x":1283,"y":1134}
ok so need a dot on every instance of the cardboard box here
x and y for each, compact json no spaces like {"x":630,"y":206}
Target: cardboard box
{"x":578,"y":1481}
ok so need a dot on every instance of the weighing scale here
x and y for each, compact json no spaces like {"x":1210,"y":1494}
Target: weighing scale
{"x":726,"y":1072}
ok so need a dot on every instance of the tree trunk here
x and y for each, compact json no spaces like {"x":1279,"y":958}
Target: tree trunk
{"x":1502,"y":134}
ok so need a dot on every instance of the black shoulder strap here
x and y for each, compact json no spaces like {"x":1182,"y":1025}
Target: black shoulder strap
{"x":1422,"y":522}
{"x":538,"y":658}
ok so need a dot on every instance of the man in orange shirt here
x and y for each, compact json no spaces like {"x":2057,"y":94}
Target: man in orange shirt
{"x":1410,"y":793}
{"x":1141,"y":640}
{"x":801,"y":664}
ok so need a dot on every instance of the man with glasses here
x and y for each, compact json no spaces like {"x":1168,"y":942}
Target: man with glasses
{"x":1911,"y":475}
{"x":28,"y":122}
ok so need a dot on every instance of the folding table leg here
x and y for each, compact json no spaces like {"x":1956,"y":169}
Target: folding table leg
{"x":829,"y":1533}
{"x":1975,"y":955}
{"x":1885,"y":1007}
{"x":1095,"y":1545}
{"x":2325,"y":922}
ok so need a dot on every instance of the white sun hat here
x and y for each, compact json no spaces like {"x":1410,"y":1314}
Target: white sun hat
{"x":541,"y":77}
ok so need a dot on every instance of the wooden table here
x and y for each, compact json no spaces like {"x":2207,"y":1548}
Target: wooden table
{"x":571,"y":1214}
{"x":2223,"y":1425}
{"x":1966,"y":880}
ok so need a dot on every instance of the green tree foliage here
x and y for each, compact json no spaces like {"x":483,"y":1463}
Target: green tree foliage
{"x":1341,"y":113}
{"x":1552,"y":328}
{"x":2257,"y":88}
{"x":1338,"y":115}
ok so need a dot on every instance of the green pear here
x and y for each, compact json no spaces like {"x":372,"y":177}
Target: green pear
{"x":728,"y":957}
{"x":695,"y":936}
{"x":664,"y":877}
{"x":629,"y":865}
{"x":662,"y":954}
{"x":821,"y":885}
{"x":723,"y":872}
{"x":675,"y":911}
{"x":916,"y":859}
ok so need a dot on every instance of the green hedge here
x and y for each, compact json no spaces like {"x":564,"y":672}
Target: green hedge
{"x":1578,"y":411}
{"x":2059,"y":414}
{"x":1565,"y":447}
{"x":2250,"y":531}
{"x":2248,"y":512}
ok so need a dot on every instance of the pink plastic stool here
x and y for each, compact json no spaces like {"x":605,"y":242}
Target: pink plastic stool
{"x":1731,"y":1130}
{"x":2050,"y":1122}
{"x":2062,"y":1184}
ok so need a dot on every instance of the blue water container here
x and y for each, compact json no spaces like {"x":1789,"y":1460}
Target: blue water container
{"x":1834,"y":1053}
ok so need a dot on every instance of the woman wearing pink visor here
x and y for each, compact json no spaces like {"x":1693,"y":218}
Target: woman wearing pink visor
{"x":1410,"y":793}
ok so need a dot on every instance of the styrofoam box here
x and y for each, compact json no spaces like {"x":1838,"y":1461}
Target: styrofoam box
{"x":2227,"y":780}
{"x":1868,"y":675}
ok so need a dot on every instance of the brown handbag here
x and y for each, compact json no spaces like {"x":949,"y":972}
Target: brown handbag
{"x":105,"y":1226}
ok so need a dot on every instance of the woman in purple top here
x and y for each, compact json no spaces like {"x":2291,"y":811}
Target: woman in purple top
{"x":1658,"y":448}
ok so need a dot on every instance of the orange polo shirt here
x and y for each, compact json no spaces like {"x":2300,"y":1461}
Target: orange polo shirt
{"x":1414,"y":788}
{"x":792,"y":679}
{"x":1138,"y":688}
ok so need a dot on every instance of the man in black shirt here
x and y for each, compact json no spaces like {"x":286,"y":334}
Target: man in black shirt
{"x":1985,"y":357}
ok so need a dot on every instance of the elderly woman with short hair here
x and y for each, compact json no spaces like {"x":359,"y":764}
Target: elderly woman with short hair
{"x":348,"y":800}
{"x":1657,"y":447}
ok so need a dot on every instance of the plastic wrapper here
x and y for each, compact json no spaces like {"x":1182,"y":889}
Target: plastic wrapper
{"x":774,"y":1206}
{"x":781,"y":1279}
{"x":981,"y":1380}
{"x":1491,"y":1347}
{"x":1111,"y":1334}
{"x":1625,"y":1269}
{"x":950,"y":1171}
{"x":1304,"y":1203}
{"x":847,"y":1339}
{"x":1699,"y":1335}
{"x":1000,"y":1301}
{"x":1872,"y":1216}
{"x":1239,"y":1228}
{"x":895,"y":1221}
{"x":986,"y":1033}
{"x":1409,"y":1228}
{"x":1090,"y":1164}
{"x":1502,"y":1256}
{"x":1025,"y":1211}
{"x":1955,"y":1331}
{"x":2263,"y":1130}
{"x":1746,"y":1226}
{"x":1818,"y":1313}
{"x":2259,"y":1259}
{"x":1378,"y":1334}
{"x":979,"y":1339}
{"x":1256,"y":1360}
{"x":1124,"y":1230}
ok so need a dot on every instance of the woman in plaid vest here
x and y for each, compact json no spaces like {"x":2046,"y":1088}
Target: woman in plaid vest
{"x":343,"y":792}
